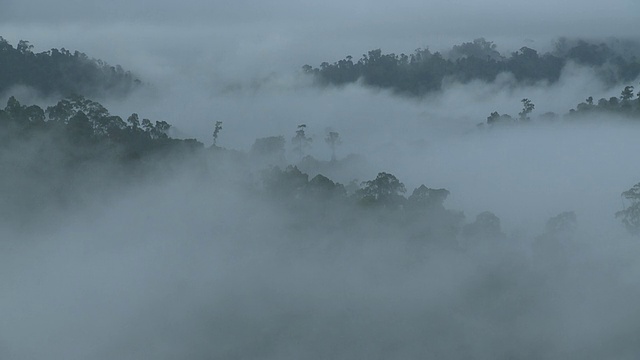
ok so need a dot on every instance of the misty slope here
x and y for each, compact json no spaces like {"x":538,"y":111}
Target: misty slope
{"x":423,"y":71}
{"x":213,"y":258}
{"x":61,"y":72}
{"x":55,"y":157}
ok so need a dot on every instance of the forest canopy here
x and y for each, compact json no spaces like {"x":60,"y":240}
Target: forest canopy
{"x":424,"y":71}
{"x":61,"y":72}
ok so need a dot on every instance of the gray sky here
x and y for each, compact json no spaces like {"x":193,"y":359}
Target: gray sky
{"x":288,"y":32}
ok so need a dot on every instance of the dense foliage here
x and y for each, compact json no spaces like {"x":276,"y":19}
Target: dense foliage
{"x":424,"y":71}
{"x":61,"y":72}
{"x":86,"y":124}
{"x":625,"y":106}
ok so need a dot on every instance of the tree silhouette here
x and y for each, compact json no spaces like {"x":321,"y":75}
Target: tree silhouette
{"x":627,"y":93}
{"x":527,"y":108}
{"x":333,"y":139}
{"x":630,"y":216}
{"x":216,"y":131}
{"x":385,"y":190}
{"x":301,"y":142}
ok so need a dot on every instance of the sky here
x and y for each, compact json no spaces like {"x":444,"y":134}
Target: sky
{"x":146,"y":273}
{"x":287,"y":34}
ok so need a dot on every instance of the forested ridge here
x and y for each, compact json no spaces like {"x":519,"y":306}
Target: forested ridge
{"x":61,"y":72}
{"x":424,"y":71}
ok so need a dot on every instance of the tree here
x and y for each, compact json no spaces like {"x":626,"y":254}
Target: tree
{"x":216,"y":131}
{"x":479,"y":48}
{"x":134,"y":121}
{"x":561,"y":223}
{"x":385,"y":190}
{"x":496,"y":118}
{"x":269,"y":150}
{"x":527,"y":108}
{"x":147,"y":126}
{"x":285,"y":184}
{"x":79,"y":128}
{"x":425,"y":198}
{"x":486,"y":226}
{"x":630,"y":216}
{"x":550,"y":248}
{"x":24,"y":47}
{"x":60,"y":72}
{"x":301,"y":142}
{"x":333,"y":139}
{"x":322,"y":188}
{"x":590,"y":100}
{"x":14,"y":109}
{"x":627,"y":93}
{"x":160,"y":130}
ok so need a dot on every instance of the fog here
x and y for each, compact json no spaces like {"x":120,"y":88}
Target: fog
{"x":181,"y":264}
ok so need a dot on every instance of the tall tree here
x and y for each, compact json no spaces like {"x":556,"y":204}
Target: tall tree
{"x":630,"y":216}
{"x":301,"y":142}
{"x":216,"y":132}
{"x":385,"y":190}
{"x":527,"y":108}
{"x":627,"y":93}
{"x":333,"y":139}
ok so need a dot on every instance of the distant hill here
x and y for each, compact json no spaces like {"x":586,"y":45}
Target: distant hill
{"x":424,"y":71}
{"x":61,"y":72}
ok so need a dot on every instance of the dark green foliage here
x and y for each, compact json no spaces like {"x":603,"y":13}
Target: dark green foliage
{"x":322,"y":188}
{"x":430,"y":220}
{"x":216,"y":132}
{"x":585,"y":53}
{"x":627,"y":93}
{"x":269,"y":150}
{"x":61,"y":72}
{"x":269,"y":145}
{"x":630,"y":216}
{"x":496,"y":118}
{"x":333,"y":139}
{"x":371,"y":210}
{"x":478,"y":49}
{"x":301,"y":142}
{"x":72,"y":151}
{"x":527,"y":108}
{"x":625,"y":106}
{"x":486,"y":227}
{"x":385,"y":190}
{"x":423,"y":72}
{"x":285,"y":184}
{"x":88,"y":126}
{"x":16,"y":115}
{"x":424,"y":198}
{"x":561,"y":223}
{"x":550,"y":250}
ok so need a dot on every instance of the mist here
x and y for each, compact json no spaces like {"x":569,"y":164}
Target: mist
{"x":199,"y":259}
